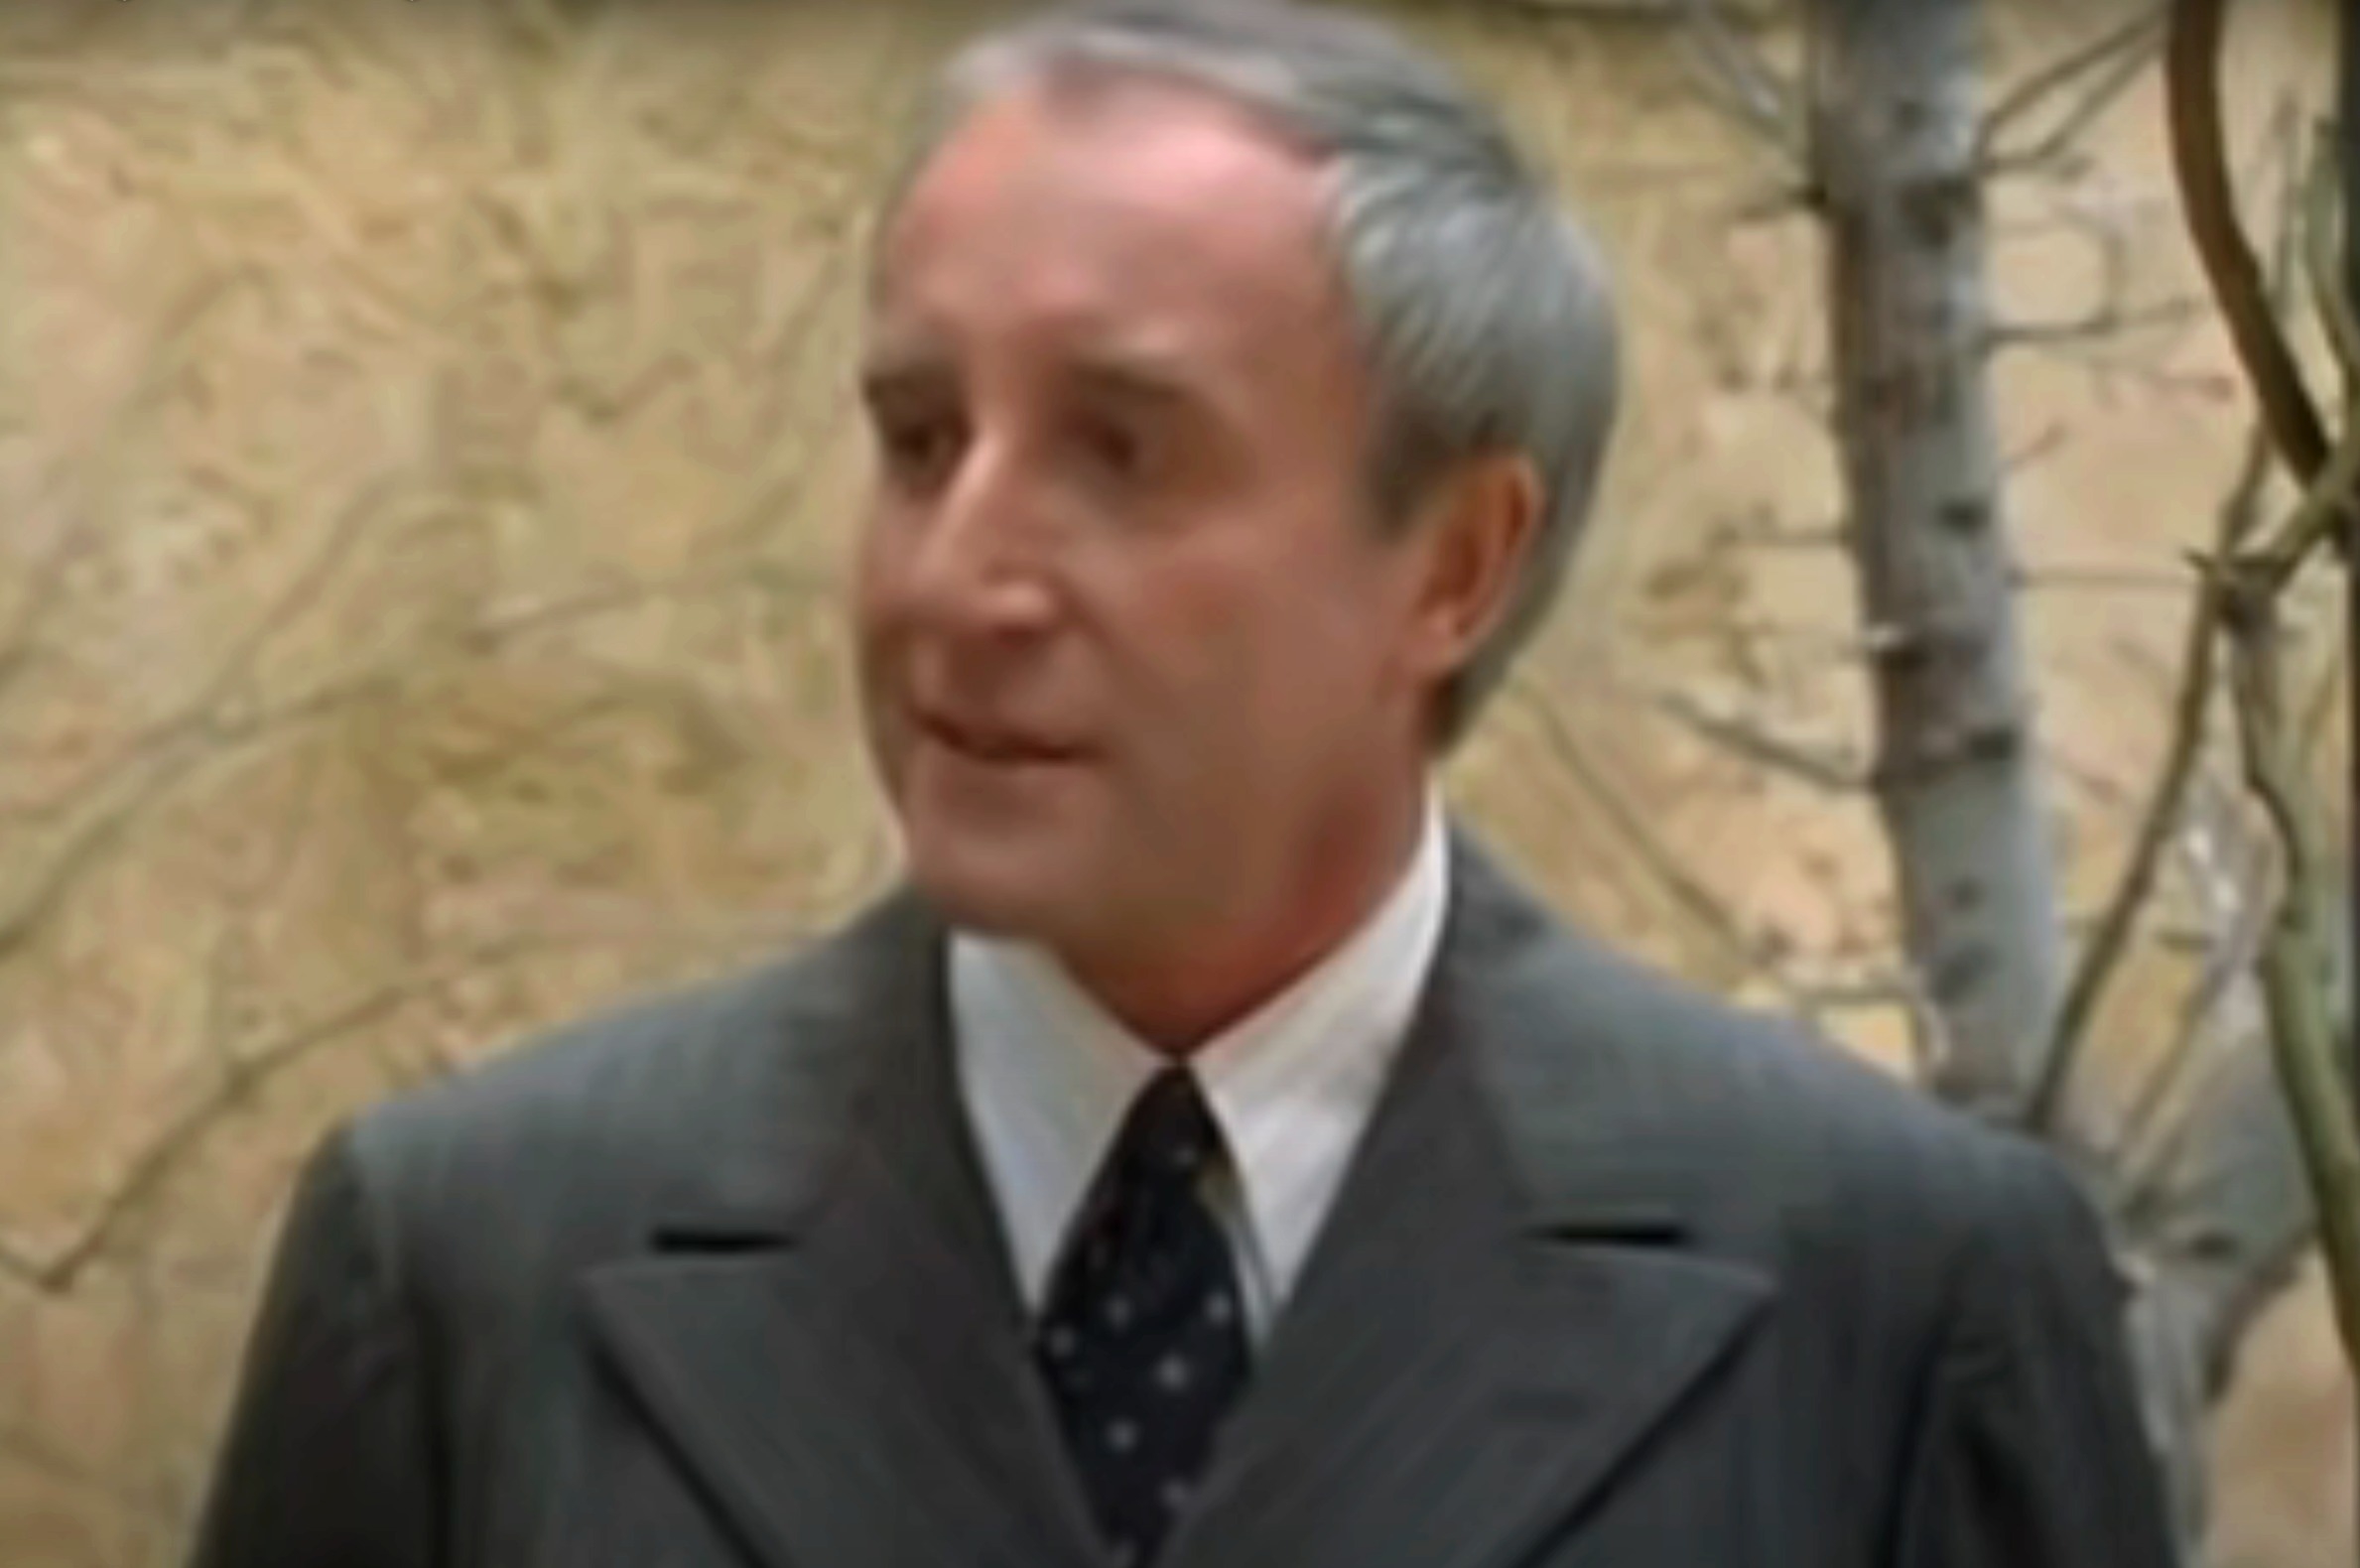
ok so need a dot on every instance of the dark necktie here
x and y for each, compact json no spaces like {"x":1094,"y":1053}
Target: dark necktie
{"x":1143,"y":1340}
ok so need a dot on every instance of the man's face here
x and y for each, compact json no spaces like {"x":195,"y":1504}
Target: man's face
{"x":1129,"y":648}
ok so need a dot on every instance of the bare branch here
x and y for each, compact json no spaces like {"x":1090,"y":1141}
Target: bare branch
{"x":2215,"y":1201}
{"x":1773,"y":204}
{"x":1761,"y":529}
{"x":2232,"y":867}
{"x":2223,"y":1224}
{"x":2109,"y":318}
{"x":204,"y":711}
{"x":257,"y":1066}
{"x":2330,"y":506}
{"x":2111,"y":939}
{"x":1622,"y":9}
{"x":1694,"y":898}
{"x":208,"y":730}
{"x":2330,"y":500}
{"x":20,"y":644}
{"x":18,"y":1266}
{"x":2236,"y":519}
{"x":159,"y":371}
{"x":187,"y":1132}
{"x":2191,"y":84}
{"x":504,"y":622}
{"x":1742,"y":84}
{"x":2043,"y":446}
{"x":1827,"y":768}
{"x":2297,"y":967}
{"x":169,"y":752}
{"x":2322,"y":258}
{"x":2099,"y":72}
{"x":207,"y":716}
{"x":2320,"y":710}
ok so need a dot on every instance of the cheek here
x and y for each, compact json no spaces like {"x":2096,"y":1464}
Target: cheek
{"x":1237,"y":662}
{"x":1196,"y":633}
{"x":876,"y":637}
{"x":875,"y":593}
{"x":870,"y":563}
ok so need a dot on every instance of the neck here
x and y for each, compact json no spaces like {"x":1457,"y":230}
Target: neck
{"x":1183,"y":994}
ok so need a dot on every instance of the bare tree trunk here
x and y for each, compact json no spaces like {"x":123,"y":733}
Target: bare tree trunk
{"x":1892,"y":87}
{"x":2348,"y":145}
{"x":2214,"y":1223}
{"x":2347,"y":142}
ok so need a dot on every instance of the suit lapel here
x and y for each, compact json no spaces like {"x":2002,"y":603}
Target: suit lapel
{"x":841,"y":1358}
{"x":1475,"y":1345}
{"x":1498,"y":1313}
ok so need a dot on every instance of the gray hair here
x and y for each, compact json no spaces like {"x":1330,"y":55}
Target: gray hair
{"x":1484,"y":308}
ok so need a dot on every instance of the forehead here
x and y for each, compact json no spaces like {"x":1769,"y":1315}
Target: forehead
{"x":1124,"y":205}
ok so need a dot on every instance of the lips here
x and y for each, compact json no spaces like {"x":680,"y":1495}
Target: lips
{"x":986,"y":741}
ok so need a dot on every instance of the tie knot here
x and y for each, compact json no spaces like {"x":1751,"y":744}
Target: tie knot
{"x":1170,"y":1132}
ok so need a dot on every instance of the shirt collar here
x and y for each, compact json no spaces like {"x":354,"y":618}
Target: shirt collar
{"x":1048,"y":1073}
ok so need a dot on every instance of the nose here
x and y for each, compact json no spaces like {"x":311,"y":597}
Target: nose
{"x":977,"y":565}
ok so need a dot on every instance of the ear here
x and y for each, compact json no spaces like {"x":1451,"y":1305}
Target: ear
{"x":1480,"y":525}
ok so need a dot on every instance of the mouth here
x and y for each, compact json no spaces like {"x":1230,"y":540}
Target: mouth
{"x":982,"y":741}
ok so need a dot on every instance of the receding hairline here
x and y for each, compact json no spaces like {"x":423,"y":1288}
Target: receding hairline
{"x":1071,"y":89}
{"x":1210,"y":379}
{"x":1062,"y":107}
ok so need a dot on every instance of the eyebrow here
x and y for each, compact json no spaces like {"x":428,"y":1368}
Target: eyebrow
{"x":891,"y":367}
{"x":1139,"y":377}
{"x":1149,"y":380}
{"x":1166,"y":382}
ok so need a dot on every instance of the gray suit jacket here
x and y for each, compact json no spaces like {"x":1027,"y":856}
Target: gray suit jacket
{"x":1619,"y":1278}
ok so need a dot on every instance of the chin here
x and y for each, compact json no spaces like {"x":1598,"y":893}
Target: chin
{"x":993,"y":889}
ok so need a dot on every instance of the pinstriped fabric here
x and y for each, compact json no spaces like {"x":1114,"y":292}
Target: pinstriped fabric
{"x":857,"y":1378}
{"x":1618,"y":1278}
{"x":1444,"y":1324}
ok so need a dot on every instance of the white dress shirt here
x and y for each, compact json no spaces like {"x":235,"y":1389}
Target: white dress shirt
{"x":1047,"y":1076}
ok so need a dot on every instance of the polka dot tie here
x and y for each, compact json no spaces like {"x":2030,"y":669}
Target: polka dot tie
{"x":1143,"y":1342}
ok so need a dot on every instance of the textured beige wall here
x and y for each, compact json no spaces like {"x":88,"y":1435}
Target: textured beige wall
{"x":423,"y":468}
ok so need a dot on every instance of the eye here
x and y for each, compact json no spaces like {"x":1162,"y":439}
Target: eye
{"x":1114,"y":448}
{"x":919,"y":447}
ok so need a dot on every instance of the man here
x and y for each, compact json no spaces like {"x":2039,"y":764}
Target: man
{"x":1209,"y":1155}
